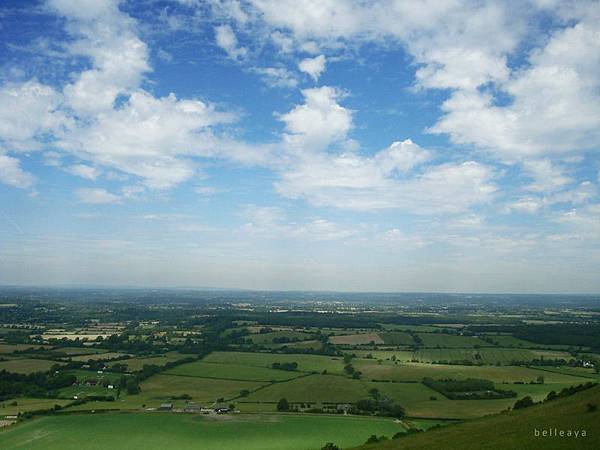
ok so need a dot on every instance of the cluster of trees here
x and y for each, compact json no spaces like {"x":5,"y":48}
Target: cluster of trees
{"x":38,"y":384}
{"x":290,"y":366}
{"x":566,"y":392}
{"x":571,"y":334}
{"x":467,"y":389}
{"x":378,"y":404}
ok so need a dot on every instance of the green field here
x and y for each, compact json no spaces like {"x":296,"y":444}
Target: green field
{"x":396,"y":338}
{"x":400,"y":327}
{"x":313,"y":388}
{"x":134,"y":364}
{"x":231,"y":372}
{"x":356,"y":339}
{"x":451,"y":340}
{"x":417,"y":371}
{"x":84,"y":391}
{"x":306,"y":363}
{"x":74,"y":351}
{"x":181,"y":431}
{"x":23,"y":404}
{"x":504,"y":340}
{"x":493,"y":356}
{"x":98,"y":356}
{"x":161,"y":388}
{"x":10,"y":348}
{"x":26,"y":365}
{"x":267,"y":338}
{"x":575,"y":371}
{"x":401,"y":355}
{"x":203,"y":390}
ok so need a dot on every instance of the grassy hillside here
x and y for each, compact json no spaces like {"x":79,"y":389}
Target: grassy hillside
{"x":516,"y":429}
{"x":159,"y":431}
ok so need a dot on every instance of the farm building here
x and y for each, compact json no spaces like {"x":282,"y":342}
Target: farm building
{"x":192,"y":408}
{"x":165,"y":407}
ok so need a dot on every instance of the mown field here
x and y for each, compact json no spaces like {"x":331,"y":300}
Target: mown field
{"x":387,"y":370}
{"x":99,"y":356}
{"x":486,"y":355}
{"x":306,"y":363}
{"x":23,"y":404}
{"x":26,"y":365}
{"x":181,"y":431}
{"x":356,"y":339}
{"x":313,"y":388}
{"x":231,"y":372}
{"x":10,"y":348}
{"x":450,"y":340}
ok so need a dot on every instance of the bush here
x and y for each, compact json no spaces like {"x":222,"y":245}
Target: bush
{"x":591,"y":407}
{"x":525,"y":402}
{"x":283,"y":405}
{"x":330,"y":446}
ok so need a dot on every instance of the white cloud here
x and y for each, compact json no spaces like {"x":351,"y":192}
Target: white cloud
{"x":206,"y":191}
{"x":12,"y":174}
{"x":351,"y":181}
{"x":527,"y":205}
{"x":152,"y":138}
{"x":314,"y":67}
{"x":555,"y":107}
{"x":96,"y":196}
{"x":83,"y":171}
{"x":108,"y":38}
{"x":227,"y":40}
{"x":27,"y":111}
{"x":146,"y":137}
{"x":547,"y":176}
{"x":320,"y":120}
{"x":311,"y":170}
{"x":277,"y":77}
{"x":272,"y":223}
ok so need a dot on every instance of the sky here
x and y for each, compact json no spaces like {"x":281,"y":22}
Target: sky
{"x":352,"y":145}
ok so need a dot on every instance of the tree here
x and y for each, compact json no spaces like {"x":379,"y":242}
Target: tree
{"x":283,"y":405}
{"x":133,"y":386}
{"x":374,"y":393}
{"x":523,"y":403}
{"x":330,"y":446}
{"x":372,"y":439}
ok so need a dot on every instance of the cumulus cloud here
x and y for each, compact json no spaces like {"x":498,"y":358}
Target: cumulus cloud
{"x":12,"y":174}
{"x":320,"y":120}
{"x":555,"y":101}
{"x":96,"y":196}
{"x":271,"y":222}
{"x":109,"y":39}
{"x":279,"y":77}
{"x":146,"y":137}
{"x":103,"y":116}
{"x":83,"y":171}
{"x":547,"y":177}
{"x":28,"y":111}
{"x":384,"y":180}
{"x":227,"y":40}
{"x":314,"y":67}
{"x":545,"y":107}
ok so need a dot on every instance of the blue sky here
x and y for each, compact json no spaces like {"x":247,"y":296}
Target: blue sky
{"x":275,"y":144}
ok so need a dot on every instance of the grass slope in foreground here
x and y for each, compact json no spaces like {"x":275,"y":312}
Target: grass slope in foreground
{"x":149,"y":431}
{"x":516,"y":429}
